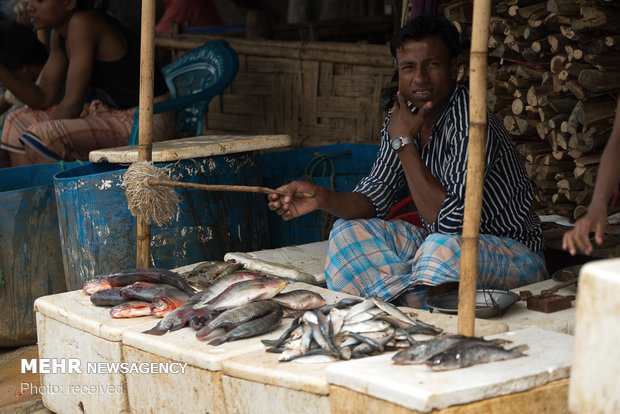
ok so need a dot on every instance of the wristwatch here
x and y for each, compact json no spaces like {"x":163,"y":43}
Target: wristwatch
{"x":399,"y":142}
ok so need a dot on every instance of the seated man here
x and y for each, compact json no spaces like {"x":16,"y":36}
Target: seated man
{"x":424,"y":149}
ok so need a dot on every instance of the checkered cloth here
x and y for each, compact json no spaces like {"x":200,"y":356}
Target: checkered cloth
{"x":72,"y":139}
{"x":385,"y":258}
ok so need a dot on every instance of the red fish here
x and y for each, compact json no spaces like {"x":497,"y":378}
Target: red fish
{"x":161,"y":305}
{"x":131,"y":309}
{"x":96,"y":284}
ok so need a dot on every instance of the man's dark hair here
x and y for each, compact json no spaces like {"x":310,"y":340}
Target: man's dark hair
{"x":20,"y":46}
{"x":427,"y":25}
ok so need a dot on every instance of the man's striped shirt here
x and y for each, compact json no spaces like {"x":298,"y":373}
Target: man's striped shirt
{"x":507,"y":199}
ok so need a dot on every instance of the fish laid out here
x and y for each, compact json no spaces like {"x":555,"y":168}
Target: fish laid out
{"x":230,"y":292}
{"x":129,"y":290}
{"x":447,"y":352}
{"x":351,"y":328}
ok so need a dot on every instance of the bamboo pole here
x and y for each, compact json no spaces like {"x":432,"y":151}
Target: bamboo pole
{"x":145,"y":132}
{"x":475,"y":166}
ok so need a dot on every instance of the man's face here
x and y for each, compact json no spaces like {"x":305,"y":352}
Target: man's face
{"x":425,"y":71}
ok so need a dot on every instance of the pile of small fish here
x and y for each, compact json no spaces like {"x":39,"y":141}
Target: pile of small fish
{"x":446,"y":352}
{"x":351,"y":328}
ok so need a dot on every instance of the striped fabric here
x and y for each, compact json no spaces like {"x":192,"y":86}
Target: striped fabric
{"x":386,"y":258}
{"x":507,"y":189}
{"x":72,"y":139}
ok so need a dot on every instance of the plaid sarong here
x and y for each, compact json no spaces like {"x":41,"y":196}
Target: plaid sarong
{"x":384,"y":258}
{"x":72,"y":139}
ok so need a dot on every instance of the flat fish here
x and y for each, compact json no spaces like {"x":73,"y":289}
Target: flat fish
{"x":108,"y":297}
{"x":258,"y":326}
{"x":131,"y":309}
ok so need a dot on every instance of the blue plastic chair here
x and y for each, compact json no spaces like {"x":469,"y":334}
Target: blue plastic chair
{"x":193,"y":80}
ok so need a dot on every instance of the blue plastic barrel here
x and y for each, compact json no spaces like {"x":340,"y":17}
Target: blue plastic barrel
{"x":338,"y":166}
{"x":31,"y":258}
{"x":98,"y":232}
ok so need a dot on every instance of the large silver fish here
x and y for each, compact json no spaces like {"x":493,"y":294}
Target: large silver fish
{"x":247,"y":291}
{"x":255,"y":327}
{"x":202,"y":298}
{"x":300,"y":299}
{"x":238,"y":315}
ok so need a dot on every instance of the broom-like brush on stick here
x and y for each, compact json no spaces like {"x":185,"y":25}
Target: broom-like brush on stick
{"x":150,"y":192}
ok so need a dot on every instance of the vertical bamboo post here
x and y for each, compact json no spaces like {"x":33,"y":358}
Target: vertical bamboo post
{"x":145,"y":132}
{"x":475,"y":166}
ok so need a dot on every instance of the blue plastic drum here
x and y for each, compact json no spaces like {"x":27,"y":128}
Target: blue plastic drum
{"x":98,"y":232}
{"x":31,"y":259}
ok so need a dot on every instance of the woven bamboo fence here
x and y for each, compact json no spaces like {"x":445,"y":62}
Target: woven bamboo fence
{"x":317,"y":92}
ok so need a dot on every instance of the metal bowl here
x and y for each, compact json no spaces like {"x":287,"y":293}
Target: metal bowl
{"x":489,"y":302}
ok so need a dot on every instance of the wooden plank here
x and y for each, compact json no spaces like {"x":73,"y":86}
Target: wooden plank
{"x":550,"y":398}
{"x":193,"y":147}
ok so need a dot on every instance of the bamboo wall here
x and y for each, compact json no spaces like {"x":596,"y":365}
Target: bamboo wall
{"x":317,"y":92}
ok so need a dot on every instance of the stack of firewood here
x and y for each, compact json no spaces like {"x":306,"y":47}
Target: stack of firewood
{"x":554,"y":76}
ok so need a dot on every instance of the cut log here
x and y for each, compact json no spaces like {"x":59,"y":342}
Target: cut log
{"x":557,"y":63}
{"x":576,"y":90}
{"x":606,"y":62}
{"x":563,"y":7}
{"x":556,"y":42}
{"x":535,"y":94}
{"x":598,"y":81}
{"x":541,"y":45}
{"x":588,"y":115}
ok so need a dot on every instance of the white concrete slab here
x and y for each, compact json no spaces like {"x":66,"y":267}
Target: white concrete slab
{"x":595,"y":377}
{"x":75,"y":309}
{"x":250,"y":374}
{"x":304,"y":263}
{"x":417,"y":387}
{"x":192,"y":147}
{"x":87,"y":391}
{"x":520,"y":317}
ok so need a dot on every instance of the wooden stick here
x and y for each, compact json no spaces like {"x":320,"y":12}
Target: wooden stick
{"x":145,"y":131}
{"x":475,"y":166}
{"x":224,"y":187}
